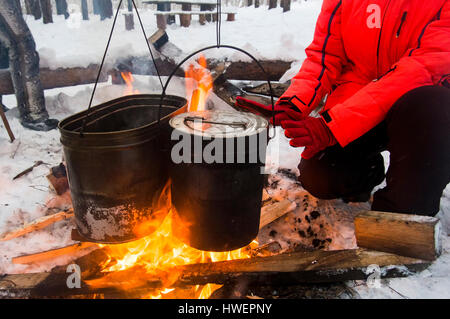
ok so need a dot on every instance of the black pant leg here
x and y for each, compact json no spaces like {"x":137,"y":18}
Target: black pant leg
{"x":418,"y":129}
{"x":346,"y":172}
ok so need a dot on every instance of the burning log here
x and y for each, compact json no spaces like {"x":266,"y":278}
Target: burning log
{"x":283,"y":269}
{"x":408,"y":235}
{"x":53,"y":253}
{"x":37,"y":224}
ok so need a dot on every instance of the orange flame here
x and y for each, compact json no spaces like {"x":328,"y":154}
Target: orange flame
{"x":155,"y":257}
{"x":199,"y":83}
{"x":128,"y":78}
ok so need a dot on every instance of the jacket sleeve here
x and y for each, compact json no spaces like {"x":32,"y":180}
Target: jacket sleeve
{"x":425,"y":64}
{"x":325,"y":58}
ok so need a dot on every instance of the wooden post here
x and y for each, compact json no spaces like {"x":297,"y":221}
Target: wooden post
{"x":209,"y":7}
{"x":249,"y":3}
{"x":84,"y":10}
{"x":46,"y":7}
{"x":256,"y":3}
{"x":185,"y":19}
{"x":161,"y":21}
{"x":231,"y":16}
{"x":129,"y":21}
{"x":202,"y":17}
{"x":272,"y":4}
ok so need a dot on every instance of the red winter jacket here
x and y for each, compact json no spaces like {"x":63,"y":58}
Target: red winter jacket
{"x":366,"y":63}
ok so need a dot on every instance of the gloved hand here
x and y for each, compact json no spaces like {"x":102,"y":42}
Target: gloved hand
{"x":282,"y":110}
{"x":311,"y":132}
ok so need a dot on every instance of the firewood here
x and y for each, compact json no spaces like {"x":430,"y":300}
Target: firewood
{"x":53,"y":253}
{"x":36,"y":225}
{"x":90,"y":264}
{"x":274,"y":211}
{"x":302,"y":267}
{"x":284,"y":269}
{"x":407,"y":235}
{"x":58,"y":179}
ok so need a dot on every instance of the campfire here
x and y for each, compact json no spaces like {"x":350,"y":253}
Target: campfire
{"x":150,"y":260}
{"x":158,"y":253}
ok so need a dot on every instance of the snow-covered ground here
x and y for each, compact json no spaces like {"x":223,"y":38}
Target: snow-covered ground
{"x":267,"y":34}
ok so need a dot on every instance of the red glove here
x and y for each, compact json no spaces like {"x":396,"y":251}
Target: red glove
{"x":282,"y":110}
{"x":311,"y":132}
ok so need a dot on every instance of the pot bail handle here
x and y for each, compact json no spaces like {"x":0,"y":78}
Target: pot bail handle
{"x":104,"y":57}
{"x":217,"y":46}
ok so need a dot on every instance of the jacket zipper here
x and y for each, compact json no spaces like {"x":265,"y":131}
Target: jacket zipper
{"x":401,"y":24}
{"x":379,"y":35}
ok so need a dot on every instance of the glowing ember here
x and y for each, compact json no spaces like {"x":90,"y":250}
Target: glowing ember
{"x":198,"y":84}
{"x":156,"y":255}
{"x":128,"y":78}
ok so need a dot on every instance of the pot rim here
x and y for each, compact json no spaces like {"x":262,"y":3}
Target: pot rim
{"x":182,"y":104}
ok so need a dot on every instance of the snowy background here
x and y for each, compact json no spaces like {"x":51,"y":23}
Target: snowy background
{"x":267,"y":34}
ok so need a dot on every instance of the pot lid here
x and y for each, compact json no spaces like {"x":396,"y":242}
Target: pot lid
{"x":219,"y":123}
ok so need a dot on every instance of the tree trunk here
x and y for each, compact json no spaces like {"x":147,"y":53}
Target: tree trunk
{"x":272,"y":4}
{"x":106,"y":9}
{"x":46,"y":7}
{"x":24,"y":63}
{"x":286,"y":4}
{"x":84,"y":10}
{"x":96,"y":6}
{"x":61,"y":8}
{"x":256,"y":3}
{"x":33,"y":8}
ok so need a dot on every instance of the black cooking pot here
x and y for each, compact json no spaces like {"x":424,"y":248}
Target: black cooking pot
{"x":217,"y":198}
{"x":118,"y":166}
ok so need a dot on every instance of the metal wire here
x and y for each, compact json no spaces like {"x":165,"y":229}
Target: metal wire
{"x":216,"y":47}
{"x":104,"y":57}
